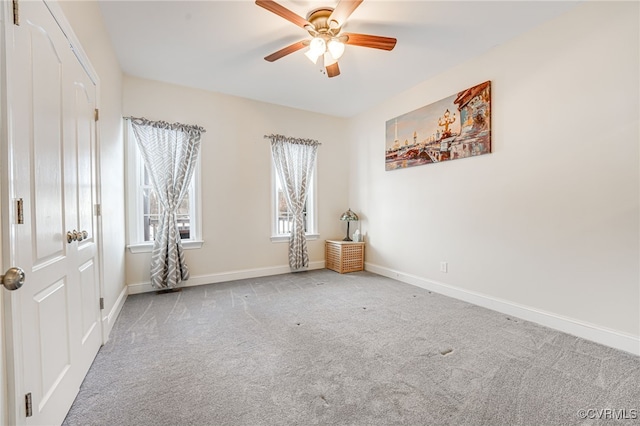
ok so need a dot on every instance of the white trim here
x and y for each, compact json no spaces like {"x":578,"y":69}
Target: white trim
{"x":132,"y":180}
{"x":76,"y":47}
{"x":195,"y":208}
{"x":312,"y":202}
{"x":285,"y":238}
{"x":585,"y":330}
{"x":109,"y":320}
{"x":145,"y":287}
{"x":148,"y":246}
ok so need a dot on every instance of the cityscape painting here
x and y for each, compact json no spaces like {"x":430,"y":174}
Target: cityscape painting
{"x":455,"y":127}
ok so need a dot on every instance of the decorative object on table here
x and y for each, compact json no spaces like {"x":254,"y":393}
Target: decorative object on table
{"x":455,"y":127}
{"x":357,"y":236}
{"x":349,"y":216}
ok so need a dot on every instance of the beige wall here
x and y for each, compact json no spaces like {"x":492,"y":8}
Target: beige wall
{"x":86,"y":19}
{"x":236,"y":176}
{"x":549,"y":221}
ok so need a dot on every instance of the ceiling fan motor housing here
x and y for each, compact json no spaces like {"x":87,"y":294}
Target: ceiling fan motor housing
{"x":319,"y":18}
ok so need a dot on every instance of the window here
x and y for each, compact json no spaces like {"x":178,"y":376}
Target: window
{"x":282,"y":219}
{"x":143,"y":208}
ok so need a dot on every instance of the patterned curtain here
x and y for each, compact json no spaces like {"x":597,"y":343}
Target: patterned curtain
{"x":170,"y":153}
{"x":294,"y":160}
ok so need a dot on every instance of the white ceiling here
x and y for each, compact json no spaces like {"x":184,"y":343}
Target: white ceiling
{"x":220,"y":46}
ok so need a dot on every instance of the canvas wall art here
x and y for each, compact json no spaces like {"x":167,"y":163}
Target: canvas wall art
{"x":455,"y":127}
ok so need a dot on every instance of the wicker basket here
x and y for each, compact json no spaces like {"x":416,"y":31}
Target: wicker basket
{"x":344,"y":256}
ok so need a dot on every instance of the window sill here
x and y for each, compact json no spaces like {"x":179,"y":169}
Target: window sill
{"x":285,"y":238}
{"x":148,"y":247}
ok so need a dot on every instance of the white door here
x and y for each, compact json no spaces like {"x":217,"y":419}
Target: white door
{"x":55,"y":316}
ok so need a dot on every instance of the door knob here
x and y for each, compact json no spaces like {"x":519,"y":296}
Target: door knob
{"x":76,"y":236}
{"x":13,"y":278}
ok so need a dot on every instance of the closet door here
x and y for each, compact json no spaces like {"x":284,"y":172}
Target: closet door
{"x":55,"y":315}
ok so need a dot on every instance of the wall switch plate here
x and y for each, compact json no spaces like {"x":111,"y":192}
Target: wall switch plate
{"x":444,"y":267}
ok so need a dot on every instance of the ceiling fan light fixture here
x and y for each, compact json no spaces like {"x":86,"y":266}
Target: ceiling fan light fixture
{"x":336,"y":48}
{"x":312,"y":57}
{"x":329,"y":59}
{"x":317,"y":47}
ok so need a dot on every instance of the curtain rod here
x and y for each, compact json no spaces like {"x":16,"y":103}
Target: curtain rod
{"x":165,"y":124}
{"x":293,"y":140}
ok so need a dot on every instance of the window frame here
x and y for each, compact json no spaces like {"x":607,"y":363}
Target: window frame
{"x":312,"y":232}
{"x":134,"y":206}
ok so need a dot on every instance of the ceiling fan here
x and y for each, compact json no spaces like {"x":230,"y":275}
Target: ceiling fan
{"x":324,"y":25}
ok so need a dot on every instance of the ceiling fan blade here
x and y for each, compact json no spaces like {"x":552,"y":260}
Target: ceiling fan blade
{"x":283,"y":12}
{"x":343,"y":10}
{"x":287,"y":50}
{"x":333,"y":70}
{"x":373,"y":41}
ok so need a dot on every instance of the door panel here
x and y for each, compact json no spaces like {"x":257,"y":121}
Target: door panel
{"x":46,"y":141}
{"x":84,"y":107}
{"x":54,"y":333}
{"x":46,"y":299}
{"x":80,"y":146}
{"x":88,"y":296}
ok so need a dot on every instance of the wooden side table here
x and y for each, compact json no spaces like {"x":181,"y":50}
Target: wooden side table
{"x":344,"y":256}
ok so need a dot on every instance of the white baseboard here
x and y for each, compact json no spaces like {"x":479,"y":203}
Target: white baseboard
{"x":110,"y":319}
{"x":225,"y":276}
{"x":598,"y":334}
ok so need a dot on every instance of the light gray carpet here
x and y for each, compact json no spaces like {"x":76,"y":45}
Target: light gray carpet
{"x":357,"y":349}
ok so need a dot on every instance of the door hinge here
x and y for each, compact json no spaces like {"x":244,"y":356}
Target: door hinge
{"x":28,"y":404}
{"x":16,"y":13}
{"x":97,"y":209}
{"x":20,"y":211}
{"x":102,"y":303}
{"x":96,"y":114}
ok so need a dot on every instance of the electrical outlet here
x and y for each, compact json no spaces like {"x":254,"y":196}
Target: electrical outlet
{"x":444,"y":267}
